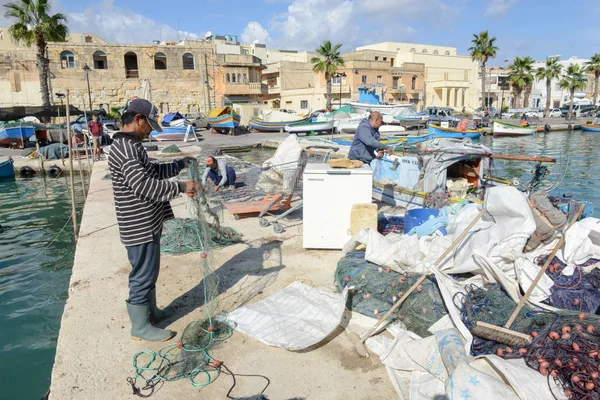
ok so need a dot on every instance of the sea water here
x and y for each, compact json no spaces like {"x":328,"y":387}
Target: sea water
{"x":36,"y":257}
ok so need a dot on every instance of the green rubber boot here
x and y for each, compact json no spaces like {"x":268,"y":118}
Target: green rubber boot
{"x":141,"y":328}
{"x":156,"y":314}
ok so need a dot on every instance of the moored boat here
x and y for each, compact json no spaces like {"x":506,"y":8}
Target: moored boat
{"x":393,"y":130}
{"x":223,"y":119}
{"x":590,"y":128}
{"x":15,"y":134}
{"x":173,"y":133}
{"x":7,"y":170}
{"x":308,"y":127}
{"x":275,"y":121}
{"x":503,"y":129}
{"x":393,"y":109}
{"x":442,"y":132}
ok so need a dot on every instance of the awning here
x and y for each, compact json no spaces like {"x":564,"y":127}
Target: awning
{"x":40,"y":112}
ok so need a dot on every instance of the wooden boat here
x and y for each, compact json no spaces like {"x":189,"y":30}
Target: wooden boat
{"x":7,"y":170}
{"x":308,"y":127}
{"x":173,"y":133}
{"x":224,"y":120}
{"x":275,"y":121}
{"x":419,"y":138}
{"x":503,"y":129}
{"x":590,"y":128}
{"x":442,"y":132}
{"x":393,"y":109}
{"x":393,"y":130}
{"x":15,"y":134}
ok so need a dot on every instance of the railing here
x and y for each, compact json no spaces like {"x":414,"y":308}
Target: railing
{"x":132,"y":73}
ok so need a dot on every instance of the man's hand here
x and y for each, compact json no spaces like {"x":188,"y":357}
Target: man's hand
{"x":380,"y":154}
{"x":187,"y":161}
{"x":191,"y":187}
{"x":217,"y":188}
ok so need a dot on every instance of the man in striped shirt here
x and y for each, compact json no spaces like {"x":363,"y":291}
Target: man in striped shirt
{"x":142,"y":193}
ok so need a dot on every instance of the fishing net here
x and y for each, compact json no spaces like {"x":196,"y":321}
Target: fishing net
{"x":376,"y":289}
{"x":181,"y":236}
{"x":565,"y":346}
{"x":171,"y":149}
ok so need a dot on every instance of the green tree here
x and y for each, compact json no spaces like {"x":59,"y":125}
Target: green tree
{"x":521,"y":78}
{"x":593,"y":66}
{"x":34,"y":25}
{"x":551,"y":70}
{"x":329,"y":64}
{"x":482,"y":50}
{"x":574,"y":79}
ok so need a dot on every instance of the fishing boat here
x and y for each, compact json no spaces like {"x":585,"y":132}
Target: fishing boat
{"x":175,"y":119}
{"x":7,"y":170}
{"x":173,"y":133}
{"x":15,"y":134}
{"x":275,"y":121}
{"x":392,"y":109}
{"x":224,"y":119}
{"x":419,"y":138}
{"x":308,"y":127}
{"x":503,"y":129}
{"x":442,"y":132}
{"x":590,"y":127}
{"x":392,"y":130}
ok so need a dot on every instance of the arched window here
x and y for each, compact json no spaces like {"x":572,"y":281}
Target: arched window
{"x":67,"y":60}
{"x":160,"y":61}
{"x":424,"y":51}
{"x":446,"y":53}
{"x":233,"y":78}
{"x":245,"y":78}
{"x":239,"y":78}
{"x":413,"y":84}
{"x":100,"y":60}
{"x":436,"y":52}
{"x":188,"y":61}
{"x":227,"y":78}
{"x":413,"y":50}
{"x":131,"y":65}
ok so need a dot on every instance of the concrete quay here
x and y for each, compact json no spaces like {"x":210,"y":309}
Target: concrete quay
{"x":94,"y":350}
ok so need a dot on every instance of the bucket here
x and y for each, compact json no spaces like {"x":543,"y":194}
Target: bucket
{"x":418,"y":216}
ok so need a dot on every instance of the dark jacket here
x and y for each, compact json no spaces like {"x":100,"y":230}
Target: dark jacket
{"x":366,"y":141}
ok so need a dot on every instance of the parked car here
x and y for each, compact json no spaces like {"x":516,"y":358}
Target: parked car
{"x":109,"y":124}
{"x":579,"y":110}
{"x":493,"y":112}
{"x":437,"y":115}
{"x":535,"y":113}
{"x":198,"y":120}
{"x":555,"y":112}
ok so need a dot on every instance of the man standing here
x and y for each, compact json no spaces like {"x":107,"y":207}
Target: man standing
{"x":95,"y":129}
{"x":142,"y":193}
{"x":366,"y":139}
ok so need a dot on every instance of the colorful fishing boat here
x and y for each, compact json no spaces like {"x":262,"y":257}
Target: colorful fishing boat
{"x":15,"y":134}
{"x":442,"y":132}
{"x":7,"y":170}
{"x":419,"y":138}
{"x":224,"y":119}
{"x":590,"y":127}
{"x":275,"y":121}
{"x":173,"y":133}
{"x":308,"y":127}
{"x":503,"y":129}
{"x":392,"y":109}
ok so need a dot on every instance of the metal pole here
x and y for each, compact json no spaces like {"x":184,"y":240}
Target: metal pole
{"x":72,"y":178}
{"x":202,"y":77}
{"x":88,"y":136}
{"x":502,"y":105}
{"x":87,"y":76}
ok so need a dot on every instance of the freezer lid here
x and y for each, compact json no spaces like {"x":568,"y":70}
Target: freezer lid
{"x":318,"y":169}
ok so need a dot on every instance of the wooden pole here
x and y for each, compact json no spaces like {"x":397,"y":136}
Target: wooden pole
{"x":87,"y":138}
{"x":72,"y":178}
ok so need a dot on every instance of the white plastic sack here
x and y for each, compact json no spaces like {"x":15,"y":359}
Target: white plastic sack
{"x":526,"y":272}
{"x":294,"y":318}
{"x":582,"y":242}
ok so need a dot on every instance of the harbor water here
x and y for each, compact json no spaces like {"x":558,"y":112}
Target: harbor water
{"x":36,"y":257}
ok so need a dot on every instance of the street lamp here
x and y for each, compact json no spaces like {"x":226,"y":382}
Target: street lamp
{"x":87,"y":70}
{"x":338,"y":75}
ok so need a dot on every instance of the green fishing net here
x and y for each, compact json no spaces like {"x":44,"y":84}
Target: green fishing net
{"x":376,"y":289}
{"x":171,"y":149}
{"x":180,"y":236}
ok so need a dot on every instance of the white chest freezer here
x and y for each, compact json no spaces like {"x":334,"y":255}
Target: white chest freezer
{"x":328,"y":196}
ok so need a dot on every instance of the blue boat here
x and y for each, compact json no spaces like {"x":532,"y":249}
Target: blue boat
{"x":590,"y":128}
{"x":14,"y":134}
{"x":7,"y":171}
{"x":419,"y":139}
{"x":223,"y":119}
{"x":441,"y":132}
{"x":173,"y":133}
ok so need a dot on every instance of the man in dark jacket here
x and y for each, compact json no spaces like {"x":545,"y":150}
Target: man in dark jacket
{"x":142,"y":192}
{"x":366,"y":139}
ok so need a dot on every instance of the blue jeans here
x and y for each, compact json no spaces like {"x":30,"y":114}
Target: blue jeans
{"x":214,"y":176}
{"x":145,"y":265}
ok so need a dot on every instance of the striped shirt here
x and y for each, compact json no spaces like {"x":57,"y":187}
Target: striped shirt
{"x":140,"y":188}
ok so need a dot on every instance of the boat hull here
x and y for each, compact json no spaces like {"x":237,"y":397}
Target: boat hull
{"x":393,"y":130}
{"x":310,"y":127}
{"x":171,"y":133}
{"x":7,"y":170}
{"x":502,"y":129}
{"x":590,"y":128}
{"x":441,"y":132}
{"x":393,"y":109}
{"x":229,"y":121}
{"x":15,"y":135}
{"x":265,"y":126}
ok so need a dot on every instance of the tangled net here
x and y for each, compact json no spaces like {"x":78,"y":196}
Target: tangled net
{"x":376,"y":290}
{"x":565,"y":346}
{"x":181,"y":236}
{"x":171,"y":149}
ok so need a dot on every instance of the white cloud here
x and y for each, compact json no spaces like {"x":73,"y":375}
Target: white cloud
{"x":119,"y":25}
{"x":499,"y":7}
{"x":255,"y":31}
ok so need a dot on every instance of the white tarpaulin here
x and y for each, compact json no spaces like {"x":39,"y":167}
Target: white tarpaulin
{"x":283,"y":171}
{"x":294,"y":318}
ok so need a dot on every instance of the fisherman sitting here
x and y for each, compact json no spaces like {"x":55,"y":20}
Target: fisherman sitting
{"x":219,"y":172}
{"x":366,"y":139}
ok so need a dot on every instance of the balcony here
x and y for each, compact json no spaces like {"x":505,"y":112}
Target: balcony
{"x":274,"y":89}
{"x":245,"y":88}
{"x":239,"y":60}
{"x":335,"y":88}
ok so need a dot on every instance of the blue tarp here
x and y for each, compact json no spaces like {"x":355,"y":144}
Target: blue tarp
{"x":172,"y":116}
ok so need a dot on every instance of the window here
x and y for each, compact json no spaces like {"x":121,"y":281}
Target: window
{"x":239,"y":78}
{"x":303,"y":104}
{"x":67,"y":60}
{"x":424,"y":51}
{"x":336,"y":80}
{"x":88,"y":39}
{"x":227,"y":78}
{"x":245,"y":78}
{"x":436,"y":52}
{"x":364,"y":79}
{"x":384,"y":58}
{"x":557,"y":86}
{"x":413,"y":84}
{"x":395,"y":82}
{"x":245,"y":52}
{"x":446,"y":53}
{"x":233,"y":78}
{"x":100,"y":61}
{"x":413,"y":50}
{"x":160,"y":61}
{"x":376,"y":58}
{"x":131,"y":65}
{"x":379,"y":79}
{"x":272,"y":82}
{"x":188,"y":61}
{"x":392,"y":62}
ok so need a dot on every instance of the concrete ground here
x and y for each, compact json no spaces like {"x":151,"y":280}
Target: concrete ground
{"x":94,"y":351}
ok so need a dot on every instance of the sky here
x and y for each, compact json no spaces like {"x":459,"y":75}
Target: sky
{"x":536,"y":28}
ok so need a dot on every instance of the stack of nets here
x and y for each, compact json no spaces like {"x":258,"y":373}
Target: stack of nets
{"x":565,"y":346}
{"x":180,"y":236}
{"x":376,"y":289}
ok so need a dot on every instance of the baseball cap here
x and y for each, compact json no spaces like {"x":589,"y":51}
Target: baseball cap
{"x":147,"y":109}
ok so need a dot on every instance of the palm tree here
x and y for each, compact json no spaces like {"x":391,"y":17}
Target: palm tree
{"x":521,"y":77}
{"x":551,"y":70}
{"x":483,"y":49}
{"x":34,"y":25}
{"x":329,"y":64}
{"x":573,"y":79}
{"x":593,"y":66}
